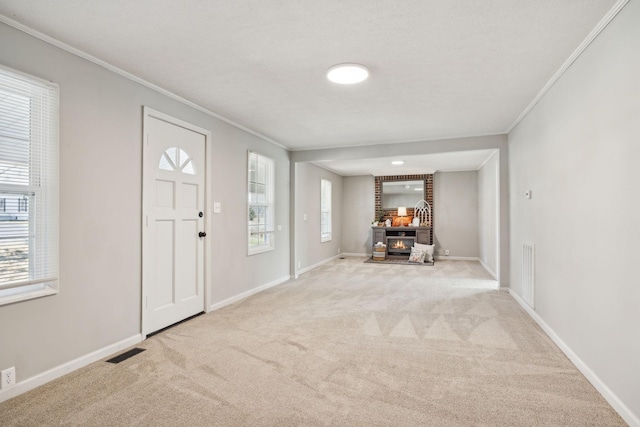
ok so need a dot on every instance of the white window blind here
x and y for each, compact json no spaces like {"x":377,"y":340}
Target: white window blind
{"x":28,"y":187}
{"x":261,"y":203}
{"x":325,"y":210}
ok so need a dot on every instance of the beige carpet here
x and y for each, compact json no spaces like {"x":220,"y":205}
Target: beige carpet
{"x":349,"y":344}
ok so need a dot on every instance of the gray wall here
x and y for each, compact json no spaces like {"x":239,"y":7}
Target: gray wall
{"x":100,"y":248}
{"x":100,"y":211}
{"x":488,"y":210}
{"x":309,"y":250}
{"x":578,"y":152}
{"x":233,"y":272}
{"x":497,"y":142}
{"x":455,"y":213}
{"x":358,"y":211}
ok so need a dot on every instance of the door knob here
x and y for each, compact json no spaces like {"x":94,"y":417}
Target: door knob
{"x":202,"y":234}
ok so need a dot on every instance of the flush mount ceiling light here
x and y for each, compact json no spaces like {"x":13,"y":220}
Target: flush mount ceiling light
{"x":397,"y":162}
{"x":347,"y":74}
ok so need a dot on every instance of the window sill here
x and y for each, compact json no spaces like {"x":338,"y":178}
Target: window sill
{"x":24,"y":296}
{"x":259,"y":251}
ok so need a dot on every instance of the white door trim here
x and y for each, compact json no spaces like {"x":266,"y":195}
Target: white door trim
{"x":149,"y":113}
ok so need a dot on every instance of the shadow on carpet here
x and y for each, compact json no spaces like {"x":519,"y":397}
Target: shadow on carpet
{"x":397,"y":261}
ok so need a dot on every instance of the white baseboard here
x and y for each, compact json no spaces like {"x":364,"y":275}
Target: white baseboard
{"x":316,"y":265}
{"x":622,"y":409}
{"x":58,"y":371}
{"x":236,"y":298}
{"x":455,"y":258}
{"x":355,"y":254}
{"x":486,"y":267}
{"x":54,"y":373}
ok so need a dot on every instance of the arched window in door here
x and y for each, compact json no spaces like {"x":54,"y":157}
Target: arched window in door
{"x":176,"y":159}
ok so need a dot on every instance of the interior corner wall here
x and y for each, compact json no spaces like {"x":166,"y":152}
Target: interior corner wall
{"x":494,"y":142}
{"x":358,"y":209}
{"x":488,"y":214}
{"x":309,"y":250}
{"x":455,"y":213}
{"x":577,"y":150}
{"x":99,"y":301}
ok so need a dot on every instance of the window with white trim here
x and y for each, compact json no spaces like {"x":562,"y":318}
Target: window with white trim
{"x":325,"y":210}
{"x":261,"y":203}
{"x":28,"y":187}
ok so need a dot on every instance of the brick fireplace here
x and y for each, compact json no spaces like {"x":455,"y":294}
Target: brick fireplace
{"x":393,"y":213}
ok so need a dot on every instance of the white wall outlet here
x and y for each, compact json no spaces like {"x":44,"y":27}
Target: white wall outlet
{"x":8,"y":377}
{"x":279,"y":227}
{"x":446,"y":251}
{"x":304,"y":216}
{"x":217,"y":207}
{"x":299,"y":264}
{"x":338,"y":250}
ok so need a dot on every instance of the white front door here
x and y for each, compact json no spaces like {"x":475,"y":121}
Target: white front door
{"x":173,"y":222}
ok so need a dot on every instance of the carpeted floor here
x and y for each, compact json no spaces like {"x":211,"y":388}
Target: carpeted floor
{"x":402,"y":261}
{"x":349,"y":344}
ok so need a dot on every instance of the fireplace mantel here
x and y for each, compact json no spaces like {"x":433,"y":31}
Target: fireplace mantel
{"x":418,"y":234}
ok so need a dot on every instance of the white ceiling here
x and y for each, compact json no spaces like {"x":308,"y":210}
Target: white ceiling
{"x":439,"y":69}
{"x":413,"y":165}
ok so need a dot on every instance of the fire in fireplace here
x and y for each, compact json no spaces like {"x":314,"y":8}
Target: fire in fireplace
{"x":400,"y":245}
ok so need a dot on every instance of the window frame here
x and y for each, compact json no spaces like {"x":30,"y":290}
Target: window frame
{"x":326,"y":210}
{"x":39,"y":197}
{"x":268,"y":205}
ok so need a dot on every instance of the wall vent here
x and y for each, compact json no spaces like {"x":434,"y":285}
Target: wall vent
{"x":528,"y":268}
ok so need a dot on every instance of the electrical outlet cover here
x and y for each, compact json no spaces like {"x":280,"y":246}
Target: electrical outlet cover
{"x":8,"y":377}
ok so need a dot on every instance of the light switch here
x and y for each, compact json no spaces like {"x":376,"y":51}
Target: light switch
{"x":279,"y":228}
{"x":217,"y":207}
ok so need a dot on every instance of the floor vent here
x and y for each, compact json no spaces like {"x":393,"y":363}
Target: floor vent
{"x":124,"y":356}
{"x":528,"y":268}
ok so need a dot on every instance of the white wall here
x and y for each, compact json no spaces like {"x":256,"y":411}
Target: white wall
{"x":578,"y":152}
{"x":309,"y":250}
{"x":455,"y":213}
{"x":100,"y":211}
{"x":358,"y":212}
{"x":488,"y":214}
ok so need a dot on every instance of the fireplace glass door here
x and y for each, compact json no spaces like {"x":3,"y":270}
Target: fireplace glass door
{"x":400,"y":245}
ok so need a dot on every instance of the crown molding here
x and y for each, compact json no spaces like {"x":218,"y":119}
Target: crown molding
{"x":52,"y":41}
{"x":620,"y":4}
{"x":495,"y":152}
